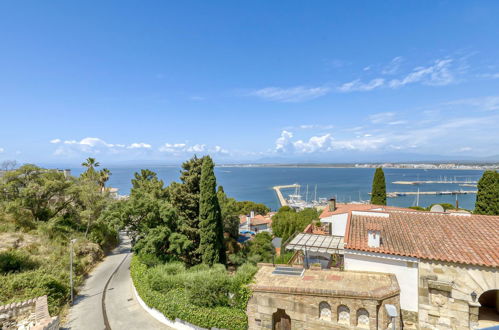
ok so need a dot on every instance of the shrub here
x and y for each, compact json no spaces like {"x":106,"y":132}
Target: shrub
{"x":16,"y":261}
{"x":185,"y":295}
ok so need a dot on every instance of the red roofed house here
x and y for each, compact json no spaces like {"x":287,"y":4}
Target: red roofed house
{"x":256,"y":223}
{"x":446,"y":264}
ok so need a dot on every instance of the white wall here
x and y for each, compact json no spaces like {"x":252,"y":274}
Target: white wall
{"x":404,"y":268}
{"x":339,"y":222}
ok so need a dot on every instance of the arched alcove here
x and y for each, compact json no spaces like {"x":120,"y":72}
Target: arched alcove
{"x":343,"y":314}
{"x":325,"y":311}
{"x":363,"y":318}
{"x":488,"y":315}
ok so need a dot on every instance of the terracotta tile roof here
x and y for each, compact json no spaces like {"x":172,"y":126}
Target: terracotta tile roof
{"x":346,"y":208}
{"x":472,"y":239}
{"x":256,"y":220}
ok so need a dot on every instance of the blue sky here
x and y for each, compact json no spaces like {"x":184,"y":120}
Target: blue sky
{"x":249,"y":81}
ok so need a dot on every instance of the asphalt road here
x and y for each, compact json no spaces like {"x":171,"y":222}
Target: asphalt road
{"x":118,"y":307}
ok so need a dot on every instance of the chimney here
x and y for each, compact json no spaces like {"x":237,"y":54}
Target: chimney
{"x":373,"y":235}
{"x":332,"y":204}
{"x":248,"y":222}
{"x":252,"y":214}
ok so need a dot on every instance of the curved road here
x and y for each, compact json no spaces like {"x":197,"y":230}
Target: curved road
{"x":118,"y":307}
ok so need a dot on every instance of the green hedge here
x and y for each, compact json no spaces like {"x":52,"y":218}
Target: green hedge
{"x":174,"y":299}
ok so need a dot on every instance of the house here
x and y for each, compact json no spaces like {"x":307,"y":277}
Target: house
{"x":446,"y":264}
{"x":443,"y":270}
{"x":256,"y":223}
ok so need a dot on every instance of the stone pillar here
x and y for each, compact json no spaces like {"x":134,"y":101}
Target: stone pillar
{"x":473,"y":314}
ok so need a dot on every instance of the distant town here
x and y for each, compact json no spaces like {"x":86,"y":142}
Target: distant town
{"x":429,"y":165}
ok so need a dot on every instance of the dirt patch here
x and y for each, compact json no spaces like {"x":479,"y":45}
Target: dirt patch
{"x":9,"y":241}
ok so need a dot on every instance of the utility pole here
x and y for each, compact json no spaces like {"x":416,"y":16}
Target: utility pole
{"x":71,"y":268}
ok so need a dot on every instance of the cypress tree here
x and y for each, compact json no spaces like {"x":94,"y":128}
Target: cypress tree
{"x":211,"y":245}
{"x":378,"y":193}
{"x":487,"y":197}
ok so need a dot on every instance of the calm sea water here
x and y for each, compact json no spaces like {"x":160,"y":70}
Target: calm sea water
{"x":347,"y":184}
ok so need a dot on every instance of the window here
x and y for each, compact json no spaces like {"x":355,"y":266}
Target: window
{"x":343,"y":314}
{"x":363,"y":318}
{"x":324,"y":311}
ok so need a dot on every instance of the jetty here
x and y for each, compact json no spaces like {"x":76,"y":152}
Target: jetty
{"x":435,"y":182}
{"x":448,"y":192}
{"x":281,"y":198}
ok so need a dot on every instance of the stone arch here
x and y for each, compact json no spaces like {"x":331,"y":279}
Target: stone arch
{"x":325,"y":311}
{"x":488,"y":313}
{"x":362,"y":318}
{"x":343,"y":314}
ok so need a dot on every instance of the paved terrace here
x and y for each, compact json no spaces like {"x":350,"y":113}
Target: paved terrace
{"x":351,"y":284}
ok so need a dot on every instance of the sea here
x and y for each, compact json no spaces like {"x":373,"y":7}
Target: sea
{"x":345,"y":184}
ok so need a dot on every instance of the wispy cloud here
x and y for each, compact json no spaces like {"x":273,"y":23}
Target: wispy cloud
{"x":438,"y":74}
{"x":139,"y":145}
{"x":94,"y":145}
{"x":381,"y":117}
{"x":392,"y":67}
{"x":358,"y":85}
{"x":292,"y":94}
{"x":184,"y":148}
{"x":488,"y":103}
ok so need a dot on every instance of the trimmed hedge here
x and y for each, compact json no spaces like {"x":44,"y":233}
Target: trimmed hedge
{"x":168,"y":288}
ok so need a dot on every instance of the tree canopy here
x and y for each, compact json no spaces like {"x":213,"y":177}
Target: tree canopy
{"x":378,"y":193}
{"x":487,"y":198}
{"x":287,"y":221}
{"x":211,"y":246}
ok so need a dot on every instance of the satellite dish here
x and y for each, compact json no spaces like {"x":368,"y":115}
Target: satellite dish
{"x":437,"y":208}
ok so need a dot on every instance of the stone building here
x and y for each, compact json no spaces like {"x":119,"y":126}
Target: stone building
{"x":320,"y":299}
{"x":445,"y":266}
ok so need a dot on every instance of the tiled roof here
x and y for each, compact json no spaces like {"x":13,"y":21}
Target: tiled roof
{"x":467,"y":239}
{"x":346,"y":208}
{"x":256,"y":220}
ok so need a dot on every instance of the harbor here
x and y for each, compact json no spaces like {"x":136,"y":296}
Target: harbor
{"x":394,"y":194}
{"x":295,"y":200}
{"x":278,"y":191}
{"x":436,"y":182}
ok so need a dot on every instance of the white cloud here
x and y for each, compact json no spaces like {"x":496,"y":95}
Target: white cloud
{"x":490,"y":75}
{"x":184,"y":148}
{"x":292,"y":94}
{"x":314,"y":144}
{"x":489,"y":103}
{"x":55,"y":141}
{"x":397,"y":122}
{"x":393,"y":67}
{"x":358,"y":86}
{"x":381,"y":117}
{"x":2,"y":150}
{"x":438,"y":74}
{"x":464,"y":149}
{"x":138,"y":145}
{"x":283,"y":142}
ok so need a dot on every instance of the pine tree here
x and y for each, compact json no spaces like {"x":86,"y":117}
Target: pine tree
{"x":211,"y":245}
{"x":378,"y":194}
{"x":487,"y":198}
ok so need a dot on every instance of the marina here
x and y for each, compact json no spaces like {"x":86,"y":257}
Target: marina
{"x":436,"y":182}
{"x":417,"y":193}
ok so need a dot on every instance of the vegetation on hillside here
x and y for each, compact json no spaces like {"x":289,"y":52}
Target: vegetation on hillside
{"x":40,"y":211}
{"x":378,"y":193}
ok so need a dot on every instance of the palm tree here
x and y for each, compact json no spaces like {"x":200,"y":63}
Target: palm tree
{"x":90,"y":164}
{"x":104,"y":175}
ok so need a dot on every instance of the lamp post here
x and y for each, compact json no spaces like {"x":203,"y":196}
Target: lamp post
{"x":71,"y":268}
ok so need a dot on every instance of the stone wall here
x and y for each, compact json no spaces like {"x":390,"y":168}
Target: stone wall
{"x":30,"y":314}
{"x":445,"y":300}
{"x":319,"y":312}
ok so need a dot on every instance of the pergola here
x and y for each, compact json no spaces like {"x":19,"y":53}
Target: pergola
{"x":316,"y":243}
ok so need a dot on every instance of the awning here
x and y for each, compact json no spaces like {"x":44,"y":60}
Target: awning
{"x":316,"y":243}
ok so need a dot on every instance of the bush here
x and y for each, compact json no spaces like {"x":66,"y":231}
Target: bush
{"x":204,"y":296}
{"x":16,"y":261}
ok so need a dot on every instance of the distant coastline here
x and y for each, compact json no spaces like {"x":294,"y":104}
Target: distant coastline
{"x":424,"y":166}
